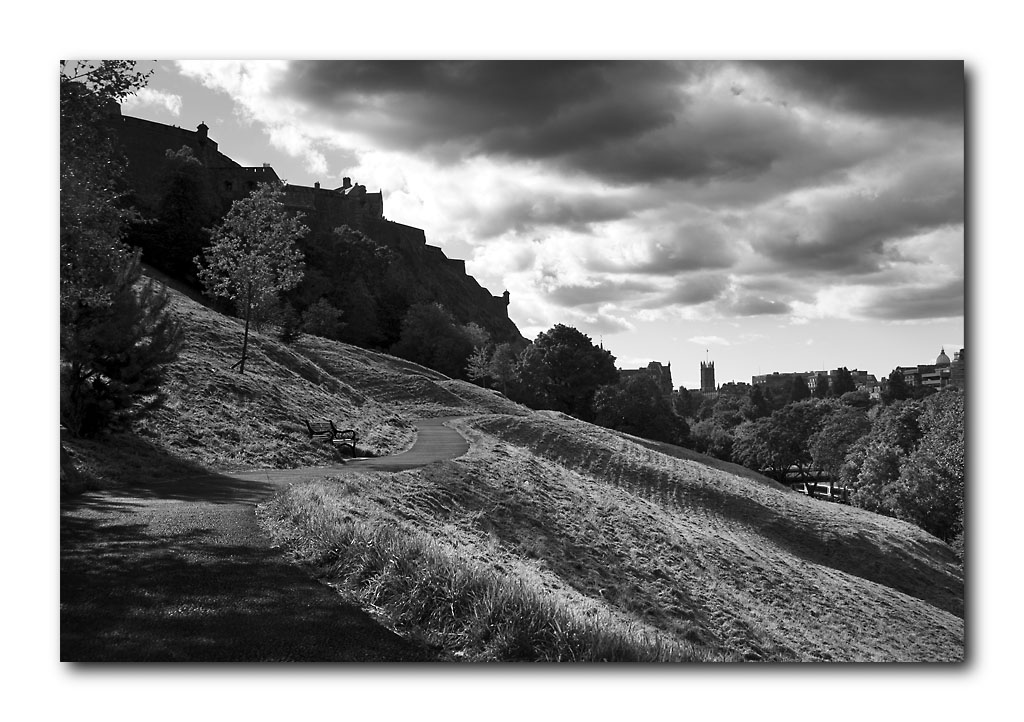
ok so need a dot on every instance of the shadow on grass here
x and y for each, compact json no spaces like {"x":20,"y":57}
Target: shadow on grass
{"x":176,"y":569}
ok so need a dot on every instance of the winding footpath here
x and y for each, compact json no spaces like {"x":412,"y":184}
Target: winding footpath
{"x":179,"y":571}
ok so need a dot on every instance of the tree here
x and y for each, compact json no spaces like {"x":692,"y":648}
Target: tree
{"x":185,"y":209}
{"x":114,"y":355}
{"x":637,"y":405}
{"x":569,"y":369}
{"x":116,"y":337}
{"x":821,"y":386}
{"x":832,"y":440}
{"x":781,"y":441}
{"x":94,"y":214}
{"x":842,"y":382}
{"x":322,"y":319}
{"x":798,"y":389}
{"x":253,"y":256}
{"x":430,"y":336}
{"x":896,"y":388}
{"x":708,"y":437}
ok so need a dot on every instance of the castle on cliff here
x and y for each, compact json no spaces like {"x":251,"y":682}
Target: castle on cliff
{"x":145,"y":144}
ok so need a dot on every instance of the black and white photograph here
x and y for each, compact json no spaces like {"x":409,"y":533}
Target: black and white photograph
{"x":512,"y":361}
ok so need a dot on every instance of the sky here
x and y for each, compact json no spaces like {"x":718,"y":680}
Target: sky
{"x":767,"y":216}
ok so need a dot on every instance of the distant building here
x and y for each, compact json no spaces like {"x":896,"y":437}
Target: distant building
{"x":778,"y":382}
{"x":662,"y":374}
{"x":938,"y":375}
{"x":958,"y":371}
{"x":707,"y":378}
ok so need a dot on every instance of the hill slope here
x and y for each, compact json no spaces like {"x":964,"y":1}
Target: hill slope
{"x":698,"y":559}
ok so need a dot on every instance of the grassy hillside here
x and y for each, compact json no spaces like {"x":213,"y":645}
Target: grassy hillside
{"x":551,"y":538}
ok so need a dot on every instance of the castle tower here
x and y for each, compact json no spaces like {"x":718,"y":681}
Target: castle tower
{"x":707,"y":377}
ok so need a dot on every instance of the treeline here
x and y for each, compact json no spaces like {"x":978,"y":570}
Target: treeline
{"x":902,"y":455}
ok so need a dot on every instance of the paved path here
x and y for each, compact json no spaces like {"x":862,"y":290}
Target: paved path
{"x":180,"y":571}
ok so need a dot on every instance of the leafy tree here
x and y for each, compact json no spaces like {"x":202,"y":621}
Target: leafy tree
{"x":685,"y":402}
{"x":798,"y":389}
{"x":114,"y":355}
{"x":821,"y":386}
{"x":708,"y":437}
{"x":832,"y":440}
{"x":116,"y":339}
{"x":760,"y":406}
{"x":896,"y":388}
{"x":638,"y":406}
{"x":322,"y":319}
{"x":186,"y":208}
{"x":431,"y":337}
{"x":94,"y":213}
{"x":781,"y":441}
{"x":253,"y":256}
{"x":503,"y":365}
{"x":842,"y":382}
{"x":290,"y":326}
{"x":569,"y":369}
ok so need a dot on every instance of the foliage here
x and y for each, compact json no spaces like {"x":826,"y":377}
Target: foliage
{"x":94,"y":213}
{"x":114,"y":355}
{"x":837,"y":433}
{"x":637,"y":405}
{"x":290,"y":324}
{"x":171,"y":241}
{"x":778,"y":442}
{"x":709,"y":437}
{"x":798,"y":389}
{"x":322,"y":319}
{"x":842,"y":382}
{"x":821,"y":386}
{"x":912,"y":465}
{"x":896,"y":388}
{"x":115,"y":340}
{"x":431,"y":337}
{"x":253,"y":256}
{"x":562,"y":370}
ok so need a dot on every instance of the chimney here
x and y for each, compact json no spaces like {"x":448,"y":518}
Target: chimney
{"x":317,"y":185}
{"x":346,"y":183}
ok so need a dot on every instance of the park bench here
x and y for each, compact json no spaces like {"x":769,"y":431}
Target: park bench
{"x":327,"y":431}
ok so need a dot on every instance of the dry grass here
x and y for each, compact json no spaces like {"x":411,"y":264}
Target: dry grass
{"x":551,"y":539}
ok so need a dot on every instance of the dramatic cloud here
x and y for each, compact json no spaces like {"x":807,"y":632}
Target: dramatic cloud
{"x":929,"y":89}
{"x":611,"y":194}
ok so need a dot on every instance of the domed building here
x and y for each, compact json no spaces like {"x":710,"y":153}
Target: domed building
{"x":937,"y":375}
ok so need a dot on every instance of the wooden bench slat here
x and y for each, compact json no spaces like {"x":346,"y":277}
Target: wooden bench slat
{"x":327,"y":431}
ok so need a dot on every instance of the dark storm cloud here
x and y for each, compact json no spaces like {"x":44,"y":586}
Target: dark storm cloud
{"x":903,"y":88}
{"x":945,"y":300}
{"x":526,"y":109}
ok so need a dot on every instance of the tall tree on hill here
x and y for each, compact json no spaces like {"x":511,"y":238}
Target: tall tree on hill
{"x":116,"y":338}
{"x":253,"y":256}
{"x":94,"y":210}
{"x":566,"y":369}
